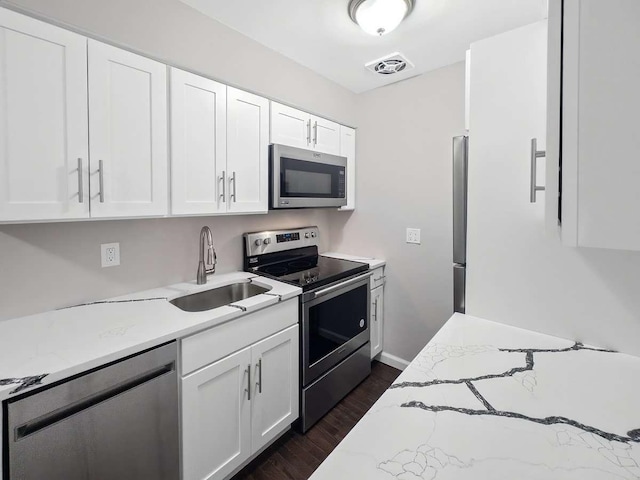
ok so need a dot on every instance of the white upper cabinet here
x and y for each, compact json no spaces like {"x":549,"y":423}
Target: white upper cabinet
{"x":326,"y":136}
{"x":595,"y":46}
{"x":296,"y":128}
{"x":128,"y":133}
{"x":348,"y":149}
{"x":43,"y":121}
{"x":198,"y":144}
{"x":247,"y":152}
{"x":290,"y":126}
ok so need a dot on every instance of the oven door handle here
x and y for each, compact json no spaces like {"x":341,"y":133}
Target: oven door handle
{"x":333,"y":288}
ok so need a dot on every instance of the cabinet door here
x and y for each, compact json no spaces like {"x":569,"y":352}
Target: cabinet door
{"x":198,"y":144}
{"x":128,"y":133}
{"x":247,"y":152}
{"x":348,"y":149}
{"x":290,"y":126}
{"x":275,"y":404}
{"x":377,"y":320}
{"x":216,"y":418}
{"x":326,"y":136}
{"x":600,"y":139}
{"x":43,"y":121}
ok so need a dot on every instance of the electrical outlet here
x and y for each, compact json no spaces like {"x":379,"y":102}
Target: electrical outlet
{"x":110,"y":253}
{"x":413,"y":235}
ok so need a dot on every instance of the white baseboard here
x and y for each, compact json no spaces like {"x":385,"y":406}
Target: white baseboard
{"x":392,"y":361}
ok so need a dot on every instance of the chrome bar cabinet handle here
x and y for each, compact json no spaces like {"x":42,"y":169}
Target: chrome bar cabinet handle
{"x":248,"y":389}
{"x":535,"y":155}
{"x":375,"y":310}
{"x":315,"y":134}
{"x":101,"y":178}
{"x":233,"y":179}
{"x":259,"y":367}
{"x":80,"y":182}
{"x":309,"y":132}
{"x":223,"y":178}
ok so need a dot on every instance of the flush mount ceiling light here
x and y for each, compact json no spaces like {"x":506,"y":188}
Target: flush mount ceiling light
{"x":379,"y":17}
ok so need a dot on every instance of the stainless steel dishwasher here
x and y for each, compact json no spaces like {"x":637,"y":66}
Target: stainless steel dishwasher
{"x":118,"y":422}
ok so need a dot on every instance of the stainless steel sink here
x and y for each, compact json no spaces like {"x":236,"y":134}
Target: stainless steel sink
{"x":218,"y":297}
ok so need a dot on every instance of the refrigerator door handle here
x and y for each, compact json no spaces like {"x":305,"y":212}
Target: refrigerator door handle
{"x":460,"y":165}
{"x":459,"y":288}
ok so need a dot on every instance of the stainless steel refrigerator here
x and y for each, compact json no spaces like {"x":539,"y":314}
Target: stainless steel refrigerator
{"x":460,"y":169}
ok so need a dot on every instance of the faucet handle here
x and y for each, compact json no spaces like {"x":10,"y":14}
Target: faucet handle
{"x":210,"y":255}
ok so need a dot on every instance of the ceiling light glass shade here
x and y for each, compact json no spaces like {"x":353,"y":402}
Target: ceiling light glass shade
{"x":379,"y":17}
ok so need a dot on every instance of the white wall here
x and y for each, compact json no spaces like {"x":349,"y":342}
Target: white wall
{"x":47,"y":266}
{"x":404,"y":175}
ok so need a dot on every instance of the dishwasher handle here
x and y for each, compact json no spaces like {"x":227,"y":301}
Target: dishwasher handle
{"x":35,"y":425}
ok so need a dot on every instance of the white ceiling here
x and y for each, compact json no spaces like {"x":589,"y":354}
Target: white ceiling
{"x":320,"y":35}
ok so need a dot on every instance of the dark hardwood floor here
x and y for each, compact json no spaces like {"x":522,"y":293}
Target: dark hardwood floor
{"x":296,"y":457}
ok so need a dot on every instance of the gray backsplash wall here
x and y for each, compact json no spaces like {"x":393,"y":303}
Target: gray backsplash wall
{"x":403,"y":180}
{"x":46,"y":266}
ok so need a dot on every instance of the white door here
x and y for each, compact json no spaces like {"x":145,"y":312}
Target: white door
{"x":377,"y":320}
{"x":348,"y":149}
{"x":128,"y":133}
{"x":216,"y":418}
{"x":275,"y":403}
{"x":247,"y":152}
{"x":290,"y":126}
{"x":44,"y":156}
{"x":198,"y":144}
{"x":326,"y":136}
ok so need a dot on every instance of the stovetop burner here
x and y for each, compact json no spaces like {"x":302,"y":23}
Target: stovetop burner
{"x":292,"y":256}
{"x":312,"y":271}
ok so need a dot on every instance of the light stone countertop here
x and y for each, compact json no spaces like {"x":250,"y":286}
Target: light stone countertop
{"x":373,"y":262}
{"x":485,"y":401}
{"x":55,"y":345}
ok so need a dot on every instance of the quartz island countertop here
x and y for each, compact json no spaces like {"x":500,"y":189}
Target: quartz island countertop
{"x":487,"y":401}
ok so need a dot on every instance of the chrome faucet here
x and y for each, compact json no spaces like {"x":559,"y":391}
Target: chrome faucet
{"x":210,"y":267}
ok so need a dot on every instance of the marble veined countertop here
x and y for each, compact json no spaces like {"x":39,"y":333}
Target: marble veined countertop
{"x":373,"y":262}
{"x":485,"y":401}
{"x":41,"y":349}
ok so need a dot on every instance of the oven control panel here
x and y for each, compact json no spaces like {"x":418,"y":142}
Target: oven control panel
{"x":259,"y":243}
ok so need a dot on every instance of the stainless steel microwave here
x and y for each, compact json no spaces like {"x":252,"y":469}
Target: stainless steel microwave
{"x":301,"y":178}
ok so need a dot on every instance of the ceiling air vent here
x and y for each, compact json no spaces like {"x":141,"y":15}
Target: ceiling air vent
{"x":390,"y":64}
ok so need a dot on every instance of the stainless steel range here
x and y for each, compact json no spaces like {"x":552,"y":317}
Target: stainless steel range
{"x":334,"y":314}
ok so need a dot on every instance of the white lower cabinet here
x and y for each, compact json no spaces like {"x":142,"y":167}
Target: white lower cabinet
{"x":275,"y":401}
{"x":235,"y":406}
{"x":216,"y":418}
{"x":377,"y":320}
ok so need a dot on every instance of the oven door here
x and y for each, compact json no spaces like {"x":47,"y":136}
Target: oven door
{"x":306,"y":179}
{"x":335,"y":323}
